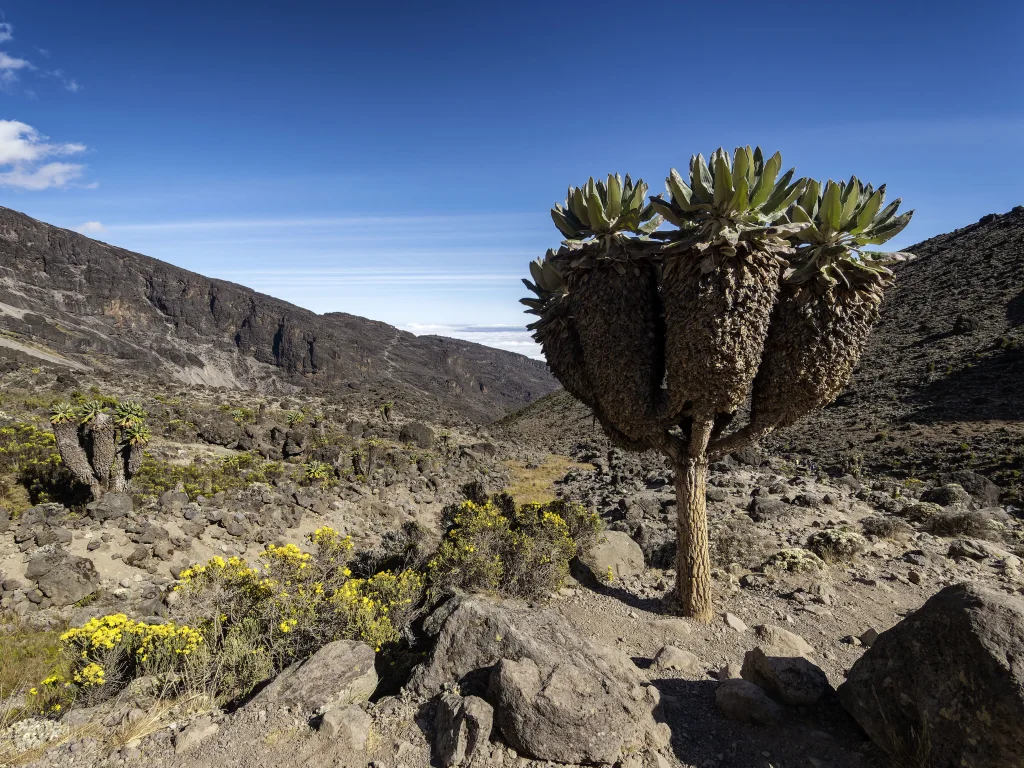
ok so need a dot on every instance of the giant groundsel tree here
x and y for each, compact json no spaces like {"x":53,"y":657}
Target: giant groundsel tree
{"x":761,"y":292}
{"x":101,"y":450}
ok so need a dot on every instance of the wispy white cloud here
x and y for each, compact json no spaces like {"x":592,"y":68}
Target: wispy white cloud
{"x":508,"y":337}
{"x":10,"y":66}
{"x":70,"y":84}
{"x":322,"y":221}
{"x":363,"y":276}
{"x":26,"y":158}
{"x":91,"y":227}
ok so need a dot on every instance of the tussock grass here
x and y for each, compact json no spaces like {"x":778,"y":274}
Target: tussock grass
{"x":536,"y":485}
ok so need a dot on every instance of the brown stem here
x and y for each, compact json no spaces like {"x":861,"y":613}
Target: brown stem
{"x":734,"y":441}
{"x":693,"y":559}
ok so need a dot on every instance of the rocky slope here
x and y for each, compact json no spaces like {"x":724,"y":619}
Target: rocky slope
{"x":69,"y":299}
{"x":938,"y":388}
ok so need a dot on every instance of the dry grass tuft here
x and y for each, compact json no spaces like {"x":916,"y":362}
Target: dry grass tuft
{"x":536,"y":484}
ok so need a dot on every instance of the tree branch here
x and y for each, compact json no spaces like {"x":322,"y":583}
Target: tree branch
{"x":733,"y":442}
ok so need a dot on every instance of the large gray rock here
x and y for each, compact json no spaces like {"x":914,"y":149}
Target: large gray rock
{"x":745,"y":702}
{"x":981,"y":489}
{"x":615,"y":555}
{"x":792,"y":679}
{"x":348,"y":727}
{"x":463,"y":728}
{"x":173,"y":502}
{"x":339,"y":674}
{"x":775,"y":641}
{"x":62,"y":577}
{"x":557,"y":695}
{"x":110,"y":506}
{"x":950,"y":672}
{"x":947,"y":495}
{"x":417,"y":433}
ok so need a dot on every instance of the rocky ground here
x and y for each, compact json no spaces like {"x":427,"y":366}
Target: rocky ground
{"x":808,"y":565}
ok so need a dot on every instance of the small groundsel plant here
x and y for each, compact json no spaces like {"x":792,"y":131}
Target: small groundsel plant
{"x":512,"y":552}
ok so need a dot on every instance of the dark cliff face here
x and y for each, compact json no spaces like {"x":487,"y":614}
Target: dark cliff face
{"x":68,"y":296}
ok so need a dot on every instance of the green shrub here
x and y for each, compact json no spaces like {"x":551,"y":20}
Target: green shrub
{"x":886,"y":527}
{"x":836,"y":545}
{"x":963,"y":522}
{"x":737,"y":540}
{"x":205,"y":476}
{"x":512,"y":553}
{"x":29,"y":459}
{"x":794,"y":560}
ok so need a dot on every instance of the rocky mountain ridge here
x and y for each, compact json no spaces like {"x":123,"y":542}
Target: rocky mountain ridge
{"x":65,"y":298}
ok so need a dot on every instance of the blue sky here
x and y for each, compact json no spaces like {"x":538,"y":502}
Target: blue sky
{"x":398,"y":162}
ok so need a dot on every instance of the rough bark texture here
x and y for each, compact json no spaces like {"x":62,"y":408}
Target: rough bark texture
{"x":809,"y":355}
{"x":134,"y":460}
{"x":617,"y":319}
{"x":72,"y":453}
{"x":693,"y":561}
{"x":118,"y":480}
{"x":715,"y":327}
{"x":101,"y":431}
{"x":561,"y":345}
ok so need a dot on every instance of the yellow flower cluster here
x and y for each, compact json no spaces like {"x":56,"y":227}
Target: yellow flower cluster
{"x":89,"y":675}
{"x":104,"y":632}
{"x":330,"y":543}
{"x":289,"y":557}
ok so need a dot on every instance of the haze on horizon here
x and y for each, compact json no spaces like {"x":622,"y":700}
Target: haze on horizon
{"x":398,"y":162}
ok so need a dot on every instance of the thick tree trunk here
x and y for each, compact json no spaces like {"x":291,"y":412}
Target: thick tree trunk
{"x":104,"y":448}
{"x":693,"y":558}
{"x":72,"y":453}
{"x":118,"y":482}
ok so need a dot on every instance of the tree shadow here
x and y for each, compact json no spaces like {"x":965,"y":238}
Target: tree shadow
{"x":988,"y":390}
{"x":1015,"y":310}
{"x":700,"y":733}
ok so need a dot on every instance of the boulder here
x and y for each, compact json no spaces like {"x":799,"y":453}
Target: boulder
{"x":194,"y":734}
{"x":616,"y":554}
{"x":949,"y":674}
{"x":677,"y":659}
{"x":110,"y":506}
{"x":980,"y":488}
{"x":63,"y":577}
{"x":340,"y":673}
{"x":976,"y":549}
{"x":743,"y":701}
{"x":775,"y":641}
{"x":792,"y":679}
{"x":348,"y":727}
{"x":173,"y":502}
{"x":557,"y":695}
{"x":947,"y":495}
{"x":417,"y":433}
{"x":463,"y":729}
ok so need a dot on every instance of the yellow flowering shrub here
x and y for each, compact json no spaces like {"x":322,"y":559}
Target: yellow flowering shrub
{"x":512,"y":552}
{"x":108,"y":652}
{"x":290,"y":603}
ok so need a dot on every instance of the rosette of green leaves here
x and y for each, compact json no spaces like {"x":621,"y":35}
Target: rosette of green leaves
{"x":602,"y":209}
{"x":731,"y":200}
{"x":842,"y":220}
{"x":548,"y":287}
